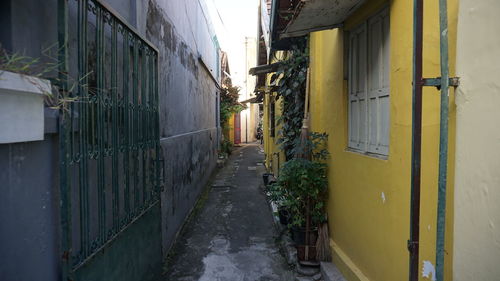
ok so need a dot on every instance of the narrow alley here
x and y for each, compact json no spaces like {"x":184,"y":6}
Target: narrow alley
{"x":231,"y":237}
{"x":249,"y":140}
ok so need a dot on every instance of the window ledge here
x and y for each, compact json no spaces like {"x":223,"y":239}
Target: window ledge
{"x":367,"y":154}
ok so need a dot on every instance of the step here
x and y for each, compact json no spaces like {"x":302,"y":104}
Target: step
{"x":330,"y":272}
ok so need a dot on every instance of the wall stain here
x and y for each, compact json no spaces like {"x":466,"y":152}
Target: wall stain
{"x":161,"y":32}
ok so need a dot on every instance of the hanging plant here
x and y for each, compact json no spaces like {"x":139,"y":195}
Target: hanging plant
{"x":291,"y":90}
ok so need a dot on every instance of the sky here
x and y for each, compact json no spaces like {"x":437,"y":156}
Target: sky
{"x":234,"y":20}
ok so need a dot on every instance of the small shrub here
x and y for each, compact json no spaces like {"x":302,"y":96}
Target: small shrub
{"x":226,"y":147}
{"x":303,"y":183}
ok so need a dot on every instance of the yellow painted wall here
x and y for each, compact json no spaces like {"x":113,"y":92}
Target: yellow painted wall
{"x":477,"y":189}
{"x":231,"y":128}
{"x":274,"y":156}
{"x":267,"y":134}
{"x":369,"y":234}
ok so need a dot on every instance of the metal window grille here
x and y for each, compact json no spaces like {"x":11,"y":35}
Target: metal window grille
{"x":111,"y":171}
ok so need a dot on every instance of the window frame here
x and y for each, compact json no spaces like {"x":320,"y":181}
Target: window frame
{"x":359,"y":40}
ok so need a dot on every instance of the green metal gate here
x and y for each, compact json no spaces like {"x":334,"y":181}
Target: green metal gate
{"x":110,"y":168}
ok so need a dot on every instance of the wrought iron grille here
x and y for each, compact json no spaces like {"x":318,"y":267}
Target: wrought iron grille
{"x":111,"y":171}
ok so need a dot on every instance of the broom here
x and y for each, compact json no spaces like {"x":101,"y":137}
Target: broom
{"x":322,"y":243}
{"x":323,"y":252}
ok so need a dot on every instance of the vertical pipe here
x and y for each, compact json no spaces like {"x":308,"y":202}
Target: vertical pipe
{"x":443,"y":140}
{"x":65,"y":201}
{"x":413,"y":243}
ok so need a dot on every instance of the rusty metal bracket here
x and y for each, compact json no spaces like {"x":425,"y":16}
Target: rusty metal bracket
{"x":436,"y":82}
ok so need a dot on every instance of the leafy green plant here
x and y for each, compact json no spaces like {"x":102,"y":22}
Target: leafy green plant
{"x":302,"y":183}
{"x":46,"y":67}
{"x":292,"y":75}
{"x":229,"y":103}
{"x":226,"y":147}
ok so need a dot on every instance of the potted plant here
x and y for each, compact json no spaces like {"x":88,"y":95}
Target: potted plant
{"x":277,"y":195}
{"x":301,"y":190}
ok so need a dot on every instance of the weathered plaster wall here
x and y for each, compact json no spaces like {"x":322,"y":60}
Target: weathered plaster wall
{"x":477,"y":181}
{"x":188,"y":123}
{"x":29,"y":216}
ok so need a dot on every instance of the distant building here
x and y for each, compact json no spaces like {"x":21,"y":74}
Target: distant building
{"x":232,"y":131}
{"x":249,"y":116}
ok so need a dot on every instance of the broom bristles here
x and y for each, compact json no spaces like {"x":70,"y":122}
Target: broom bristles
{"x":323,"y":252}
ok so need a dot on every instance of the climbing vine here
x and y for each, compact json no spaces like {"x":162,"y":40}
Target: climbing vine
{"x":229,"y":103}
{"x":292,"y":75}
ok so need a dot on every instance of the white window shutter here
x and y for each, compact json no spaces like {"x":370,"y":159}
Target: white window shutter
{"x":353,"y":100}
{"x":384,"y":100}
{"x":378,"y":93}
{"x":357,"y":89}
{"x":369,"y":104}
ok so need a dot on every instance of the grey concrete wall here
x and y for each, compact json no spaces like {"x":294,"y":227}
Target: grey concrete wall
{"x":188,"y":118}
{"x":29,"y":204}
{"x":29,"y":217}
{"x":29,"y":192}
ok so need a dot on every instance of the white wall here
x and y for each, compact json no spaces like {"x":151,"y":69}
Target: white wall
{"x":477,"y":188}
{"x":248,"y":116}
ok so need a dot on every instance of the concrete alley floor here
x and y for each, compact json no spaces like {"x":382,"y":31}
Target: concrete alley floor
{"x":232,"y":236}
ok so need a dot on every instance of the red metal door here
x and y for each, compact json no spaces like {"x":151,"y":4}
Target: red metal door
{"x":237,"y":128}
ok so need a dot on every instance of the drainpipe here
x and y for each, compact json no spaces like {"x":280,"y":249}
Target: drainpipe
{"x":416,"y":147}
{"x":443,"y":140}
{"x":442,"y":83}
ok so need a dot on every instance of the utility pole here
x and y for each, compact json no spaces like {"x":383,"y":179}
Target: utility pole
{"x":246,"y":88}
